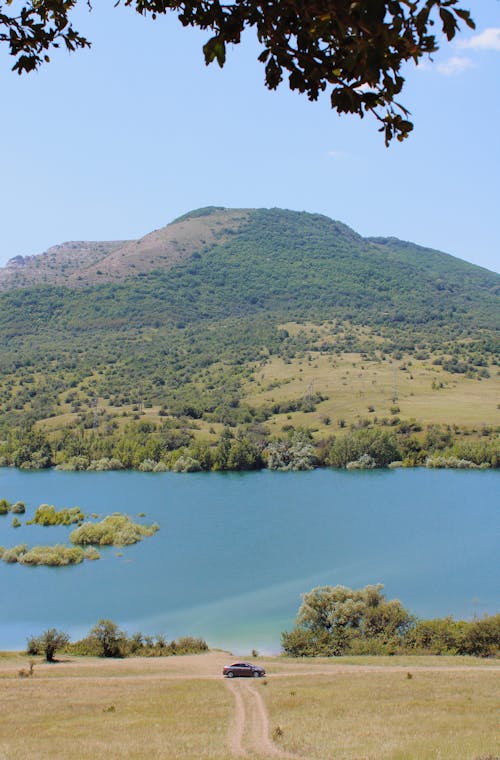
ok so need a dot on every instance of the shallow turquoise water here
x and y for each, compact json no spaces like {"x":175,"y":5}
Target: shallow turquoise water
{"x":236,"y":550}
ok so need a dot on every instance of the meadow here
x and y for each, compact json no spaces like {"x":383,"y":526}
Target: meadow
{"x":181,"y":707}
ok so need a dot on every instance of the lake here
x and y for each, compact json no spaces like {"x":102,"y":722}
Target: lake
{"x":236,"y":550}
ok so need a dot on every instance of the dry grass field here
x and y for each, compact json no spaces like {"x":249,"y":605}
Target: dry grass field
{"x":358,"y":388}
{"x":181,"y":707}
{"x":355,"y":388}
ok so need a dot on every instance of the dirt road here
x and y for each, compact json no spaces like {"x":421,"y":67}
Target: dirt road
{"x":249,"y":732}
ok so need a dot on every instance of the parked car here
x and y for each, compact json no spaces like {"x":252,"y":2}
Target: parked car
{"x":243,"y":669}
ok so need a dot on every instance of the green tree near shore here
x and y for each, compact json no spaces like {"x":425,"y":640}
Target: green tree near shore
{"x":109,"y":638}
{"x":337,"y":620}
{"x":330,"y":618}
{"x":48,"y":643}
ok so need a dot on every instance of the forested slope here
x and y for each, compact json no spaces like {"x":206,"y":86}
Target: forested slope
{"x":185,"y":334}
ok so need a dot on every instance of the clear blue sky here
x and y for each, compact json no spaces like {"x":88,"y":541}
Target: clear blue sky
{"x":116,"y":141}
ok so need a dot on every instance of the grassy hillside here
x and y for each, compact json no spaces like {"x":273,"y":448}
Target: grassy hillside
{"x":247,"y":317}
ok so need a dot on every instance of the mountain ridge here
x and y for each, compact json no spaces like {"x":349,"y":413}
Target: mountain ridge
{"x":82,"y":263}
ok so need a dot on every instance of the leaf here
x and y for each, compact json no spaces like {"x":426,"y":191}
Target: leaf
{"x":449,"y":23}
{"x":215,"y":49}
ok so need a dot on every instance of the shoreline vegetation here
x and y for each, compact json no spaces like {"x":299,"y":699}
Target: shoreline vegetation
{"x":114,"y":530}
{"x":106,"y":639}
{"x":335,"y":621}
{"x":148,"y":447}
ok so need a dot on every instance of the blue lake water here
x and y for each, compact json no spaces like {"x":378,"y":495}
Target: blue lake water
{"x":236,"y":550}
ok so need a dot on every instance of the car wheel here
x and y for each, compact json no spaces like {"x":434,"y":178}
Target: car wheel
{"x":230,"y":674}
{"x":256,"y":674}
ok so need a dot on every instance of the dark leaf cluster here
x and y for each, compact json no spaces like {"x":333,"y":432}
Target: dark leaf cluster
{"x":356,"y":50}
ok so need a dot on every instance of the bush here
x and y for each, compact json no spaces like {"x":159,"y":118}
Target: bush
{"x":46,"y":514}
{"x":186,"y":463}
{"x":188,"y":645}
{"x":107,"y":640}
{"x":365,"y":462}
{"x":375,"y":443}
{"x":160,"y":467}
{"x":301,"y":642}
{"x":438,"y":636}
{"x":482,"y":637}
{"x":4,"y":506}
{"x":52,"y":556}
{"x":147,"y":465}
{"x":114,"y":530}
{"x":86,"y":647}
{"x":74,"y":464}
{"x":294,"y":453}
{"x":451,"y":462}
{"x":13,"y":555}
{"x":105,"y":464}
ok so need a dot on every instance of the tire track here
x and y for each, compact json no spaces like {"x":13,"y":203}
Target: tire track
{"x":236,"y":730}
{"x":249,"y":731}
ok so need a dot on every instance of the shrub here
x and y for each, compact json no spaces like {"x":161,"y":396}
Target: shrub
{"x":365,"y":462}
{"x":378,"y":444}
{"x":13,"y":555}
{"x":482,"y":637}
{"x":188,"y":645}
{"x":91,"y":553}
{"x":105,"y":464}
{"x":46,"y":514}
{"x":294,"y":453}
{"x":437,"y":636}
{"x":160,"y":467}
{"x":86,"y":647}
{"x":52,"y":556}
{"x":186,"y":463}
{"x":4,"y":506}
{"x":77,"y":464}
{"x":147,"y":465}
{"x":451,"y":462}
{"x":114,"y":530}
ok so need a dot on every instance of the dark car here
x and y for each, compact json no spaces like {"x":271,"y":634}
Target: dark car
{"x":243,"y":669}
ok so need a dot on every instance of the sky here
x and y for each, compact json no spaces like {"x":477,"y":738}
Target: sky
{"x":117,"y":141}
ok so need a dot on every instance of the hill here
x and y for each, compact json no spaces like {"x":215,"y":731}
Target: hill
{"x":244,"y":317}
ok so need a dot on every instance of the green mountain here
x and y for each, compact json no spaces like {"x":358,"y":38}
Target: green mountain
{"x":182,"y":321}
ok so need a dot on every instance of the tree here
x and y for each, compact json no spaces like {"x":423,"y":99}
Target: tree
{"x":48,"y":643}
{"x":331,"y":618}
{"x":109,"y":637}
{"x":355,"y":48}
{"x":377,"y":444}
